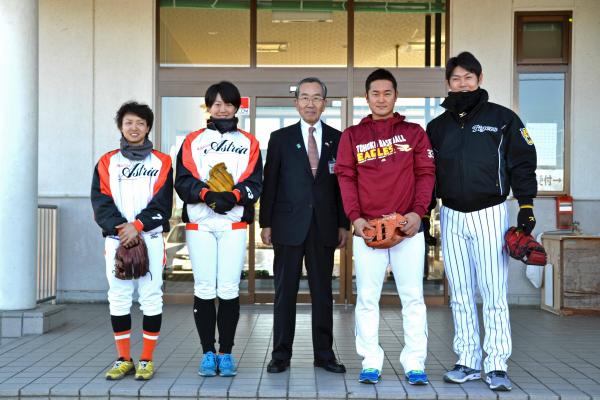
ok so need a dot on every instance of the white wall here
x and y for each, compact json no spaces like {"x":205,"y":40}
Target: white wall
{"x":486,"y":28}
{"x":94,"y":55}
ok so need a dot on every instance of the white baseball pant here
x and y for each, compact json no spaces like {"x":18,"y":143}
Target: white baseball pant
{"x":149,"y":286}
{"x":473,"y":257}
{"x":406,"y":259}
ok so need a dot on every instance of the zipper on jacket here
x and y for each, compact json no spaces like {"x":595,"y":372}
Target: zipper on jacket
{"x":500,"y":166}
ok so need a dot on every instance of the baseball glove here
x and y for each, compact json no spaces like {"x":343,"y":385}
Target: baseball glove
{"x":523,"y":247}
{"x":132,"y":263}
{"x":387,"y":231}
{"x":219,"y":180}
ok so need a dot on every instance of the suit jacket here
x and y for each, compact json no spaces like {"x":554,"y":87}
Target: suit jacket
{"x":291,"y":194}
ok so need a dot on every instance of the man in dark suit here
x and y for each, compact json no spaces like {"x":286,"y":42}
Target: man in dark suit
{"x":301,"y":214}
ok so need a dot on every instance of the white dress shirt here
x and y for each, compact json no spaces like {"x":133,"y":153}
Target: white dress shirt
{"x":318,"y":134}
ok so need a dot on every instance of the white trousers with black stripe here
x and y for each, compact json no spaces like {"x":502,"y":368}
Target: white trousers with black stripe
{"x":472,"y":246}
{"x":406,"y":259}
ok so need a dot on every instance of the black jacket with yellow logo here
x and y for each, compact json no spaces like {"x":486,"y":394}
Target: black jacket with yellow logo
{"x":481,"y":156}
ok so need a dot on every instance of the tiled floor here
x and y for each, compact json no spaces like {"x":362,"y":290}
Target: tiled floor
{"x":553,"y":358}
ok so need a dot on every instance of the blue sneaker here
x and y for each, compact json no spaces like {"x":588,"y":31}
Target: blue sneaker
{"x":208,"y":365}
{"x":226,"y":365}
{"x":369,"y":375}
{"x":417,"y":377}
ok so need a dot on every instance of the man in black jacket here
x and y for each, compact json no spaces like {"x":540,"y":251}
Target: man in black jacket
{"x":482,"y":151}
{"x":301,"y":214}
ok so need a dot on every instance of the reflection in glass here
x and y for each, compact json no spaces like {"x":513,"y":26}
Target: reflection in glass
{"x":288,"y":37}
{"x":542,"y":40}
{"x":180,"y":116}
{"x":196,"y":33}
{"x":420,"y":111}
{"x":269,"y":119}
{"x":394,"y":35}
{"x":542,"y":110}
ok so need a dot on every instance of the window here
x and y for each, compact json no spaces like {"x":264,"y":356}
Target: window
{"x":303,"y":33}
{"x":543,"y":38}
{"x":399,"y":34}
{"x":205,"y":33}
{"x":542,"y":85}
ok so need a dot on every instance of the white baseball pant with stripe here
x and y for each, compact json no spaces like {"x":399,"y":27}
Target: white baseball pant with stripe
{"x":406,"y":259}
{"x":217,"y":260}
{"x":149,"y":286}
{"x":472,"y":246}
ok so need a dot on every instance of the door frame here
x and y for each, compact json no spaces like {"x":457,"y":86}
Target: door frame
{"x":274,"y":83}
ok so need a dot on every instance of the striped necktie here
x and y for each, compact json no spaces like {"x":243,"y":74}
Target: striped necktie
{"x":313,"y":153}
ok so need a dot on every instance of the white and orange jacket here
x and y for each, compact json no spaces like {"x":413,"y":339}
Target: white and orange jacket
{"x":140,"y":192}
{"x":200,"y":151}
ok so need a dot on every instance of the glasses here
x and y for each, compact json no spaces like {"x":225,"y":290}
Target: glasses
{"x":304,"y":100}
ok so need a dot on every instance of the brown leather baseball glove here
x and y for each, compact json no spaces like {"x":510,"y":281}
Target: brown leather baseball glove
{"x":132,"y":263}
{"x":523,"y":247}
{"x":387,"y":231}
{"x":219,"y":180}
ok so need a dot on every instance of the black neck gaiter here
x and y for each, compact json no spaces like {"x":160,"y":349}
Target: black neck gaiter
{"x":462,"y":102}
{"x":222,"y":125}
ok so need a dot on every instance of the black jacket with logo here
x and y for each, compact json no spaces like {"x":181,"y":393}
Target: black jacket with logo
{"x":481,"y":156}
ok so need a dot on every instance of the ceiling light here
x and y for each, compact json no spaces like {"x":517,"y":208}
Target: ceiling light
{"x":301,"y":16}
{"x":271,"y":47}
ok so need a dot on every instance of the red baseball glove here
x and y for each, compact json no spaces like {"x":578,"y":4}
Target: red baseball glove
{"x":132,"y":263}
{"x":523,"y":247}
{"x":387,"y":231}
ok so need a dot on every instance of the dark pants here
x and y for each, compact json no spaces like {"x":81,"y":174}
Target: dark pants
{"x":287,"y":266}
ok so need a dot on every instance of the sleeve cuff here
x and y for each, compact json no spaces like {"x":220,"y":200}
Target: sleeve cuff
{"x":525,"y":201}
{"x":353,"y":216}
{"x":139,"y":226}
{"x":420,"y":211}
{"x":203,"y":193}
{"x":237,"y":194}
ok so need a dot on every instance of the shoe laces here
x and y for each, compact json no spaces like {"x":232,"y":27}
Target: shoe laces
{"x":370,"y":371}
{"x":226,"y":361}
{"x":208,"y":360}
{"x":498,"y":374}
{"x":143,"y":364}
{"x":460,"y":368}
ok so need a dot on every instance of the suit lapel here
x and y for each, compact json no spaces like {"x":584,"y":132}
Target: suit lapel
{"x":300,"y":148}
{"x":326,"y":143}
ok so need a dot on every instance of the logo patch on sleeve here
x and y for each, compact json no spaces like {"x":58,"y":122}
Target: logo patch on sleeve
{"x":526,"y":136}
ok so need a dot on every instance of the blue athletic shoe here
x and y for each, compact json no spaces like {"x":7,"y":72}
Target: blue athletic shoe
{"x":208,"y":365}
{"x":417,"y":377}
{"x":369,"y":375}
{"x":226,"y":365}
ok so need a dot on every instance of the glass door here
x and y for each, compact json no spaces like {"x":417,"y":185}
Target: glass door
{"x":271,"y":115}
{"x":180,"y":116}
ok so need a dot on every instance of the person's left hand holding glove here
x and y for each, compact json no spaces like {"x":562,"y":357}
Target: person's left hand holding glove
{"x":220,"y":202}
{"x":526,"y":219}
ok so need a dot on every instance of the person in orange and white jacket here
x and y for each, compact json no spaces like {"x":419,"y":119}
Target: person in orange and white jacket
{"x":217,"y":221}
{"x":132,"y":197}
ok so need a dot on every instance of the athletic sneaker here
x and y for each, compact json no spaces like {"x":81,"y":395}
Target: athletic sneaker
{"x":120,"y":368}
{"x":417,"y":377}
{"x":461,"y":374}
{"x":208,"y":365}
{"x":226,"y":365}
{"x":145,"y":371}
{"x":498,"y":380}
{"x":369,"y":375}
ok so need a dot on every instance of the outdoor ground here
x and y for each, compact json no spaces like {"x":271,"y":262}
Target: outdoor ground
{"x":553,"y":358}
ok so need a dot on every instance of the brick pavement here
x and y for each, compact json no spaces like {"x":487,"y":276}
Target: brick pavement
{"x":553,"y":358}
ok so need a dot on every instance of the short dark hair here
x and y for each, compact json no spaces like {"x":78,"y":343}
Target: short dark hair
{"x":465,"y":60}
{"x":311,"y":79}
{"x":228,"y":91}
{"x":380,"y":74}
{"x":133,"y":107}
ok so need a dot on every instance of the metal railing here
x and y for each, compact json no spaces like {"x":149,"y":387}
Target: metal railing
{"x":46,"y":253}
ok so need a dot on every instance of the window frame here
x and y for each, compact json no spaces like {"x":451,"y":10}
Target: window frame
{"x":547,"y":66}
{"x":562,"y":17}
